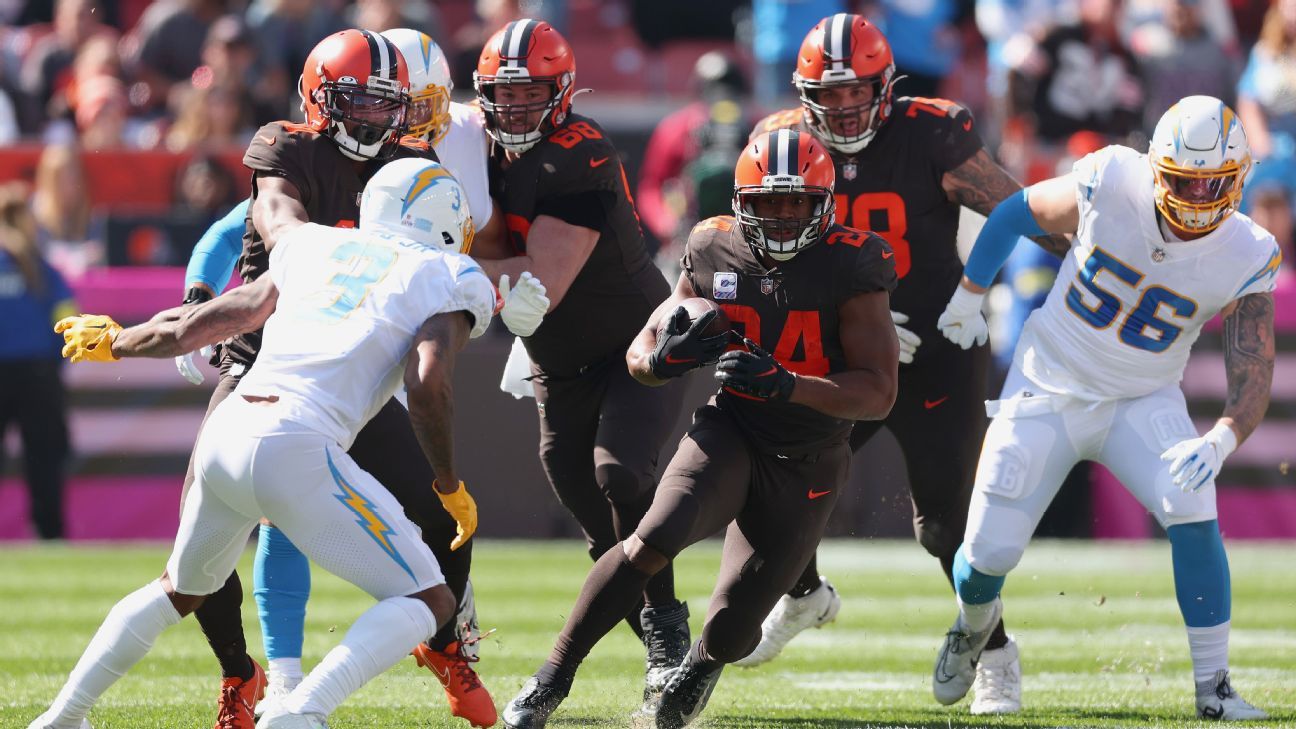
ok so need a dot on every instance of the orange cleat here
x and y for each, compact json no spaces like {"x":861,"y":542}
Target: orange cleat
{"x":468,"y":698}
{"x":238,"y":699}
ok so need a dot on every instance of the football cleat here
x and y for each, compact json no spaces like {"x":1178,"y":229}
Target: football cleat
{"x":997,"y":686}
{"x":468,"y":698}
{"x":666,"y":636}
{"x":277,"y":689}
{"x":279,"y":718}
{"x":1216,"y":700}
{"x":790,"y":616}
{"x":685,"y":695}
{"x":531,"y":708}
{"x":238,"y":700}
{"x":46,"y":721}
{"x":956,"y":665}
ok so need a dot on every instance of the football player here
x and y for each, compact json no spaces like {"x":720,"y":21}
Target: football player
{"x":904,"y":168}
{"x":571,"y":221}
{"x":349,"y":315}
{"x":816,"y":295}
{"x":355,"y":94}
{"x":1159,"y":251}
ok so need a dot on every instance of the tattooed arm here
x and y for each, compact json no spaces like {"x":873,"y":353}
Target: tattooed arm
{"x":980,"y":184}
{"x":186,"y":328}
{"x":1248,"y":361}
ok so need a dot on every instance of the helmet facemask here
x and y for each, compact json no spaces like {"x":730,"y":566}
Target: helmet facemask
{"x":366,"y":122}
{"x":429,"y":114}
{"x":824,"y":120}
{"x":779,"y":237}
{"x":1198,"y":201}
{"x":499,"y":116}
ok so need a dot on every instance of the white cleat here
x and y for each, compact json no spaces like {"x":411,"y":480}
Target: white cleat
{"x":997,"y":686}
{"x":277,"y":689}
{"x":791,"y":616}
{"x":279,"y":718}
{"x":1216,"y":700}
{"x":956,"y":665}
{"x":48,"y":721}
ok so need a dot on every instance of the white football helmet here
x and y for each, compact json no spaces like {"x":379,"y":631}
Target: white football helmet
{"x":430,"y":85}
{"x":1200,"y":159}
{"x":420,"y":200}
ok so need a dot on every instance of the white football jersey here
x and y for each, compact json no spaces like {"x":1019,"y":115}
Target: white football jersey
{"x":1127,"y":305}
{"x":463,"y":151}
{"x":350,"y":303}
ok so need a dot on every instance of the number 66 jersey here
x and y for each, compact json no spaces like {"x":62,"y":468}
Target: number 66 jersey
{"x":1127,"y":304}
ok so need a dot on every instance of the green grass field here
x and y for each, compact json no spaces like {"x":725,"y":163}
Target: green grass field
{"x":1101,"y":640}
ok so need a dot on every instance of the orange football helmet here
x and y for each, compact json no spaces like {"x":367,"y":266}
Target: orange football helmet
{"x":355,"y":90}
{"x":525,"y":52}
{"x":787,"y":163}
{"x":845,"y":50}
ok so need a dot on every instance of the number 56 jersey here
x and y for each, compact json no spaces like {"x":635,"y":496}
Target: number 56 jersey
{"x":1127,"y":305}
{"x":350,"y":304}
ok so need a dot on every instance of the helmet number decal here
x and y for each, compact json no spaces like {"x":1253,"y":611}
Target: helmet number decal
{"x":860,"y":217}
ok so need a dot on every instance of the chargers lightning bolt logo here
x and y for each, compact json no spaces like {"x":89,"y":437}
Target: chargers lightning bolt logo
{"x":423,"y":182}
{"x":369,"y":518}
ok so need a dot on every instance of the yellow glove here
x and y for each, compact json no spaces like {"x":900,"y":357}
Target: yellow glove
{"x":88,"y":337}
{"x":461,"y":506}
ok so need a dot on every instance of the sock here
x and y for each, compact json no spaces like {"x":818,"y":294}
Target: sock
{"x":287,"y":669}
{"x":281,"y":585}
{"x":612,"y":588}
{"x":660,"y":591}
{"x":697,"y":656}
{"x":1209,"y":648}
{"x":809,"y":580}
{"x":976,"y":593}
{"x":380,"y":638}
{"x":1201,"y":573}
{"x":125,"y":636}
{"x":221,"y":619}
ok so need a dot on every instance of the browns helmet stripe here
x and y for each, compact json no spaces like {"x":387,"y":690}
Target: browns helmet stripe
{"x":382,"y":55}
{"x":782,"y":152}
{"x":837,"y":39}
{"x":515,"y":42}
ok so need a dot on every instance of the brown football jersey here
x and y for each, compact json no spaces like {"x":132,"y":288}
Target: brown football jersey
{"x":892,"y":187}
{"x":330,"y":184}
{"x":792,"y":312}
{"x":575,"y":174}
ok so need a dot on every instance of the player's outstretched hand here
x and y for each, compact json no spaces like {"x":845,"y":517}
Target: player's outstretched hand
{"x":460,"y":505}
{"x":908,"y":340}
{"x":1195,"y":461}
{"x":962,"y":322}
{"x":187,"y":365}
{"x":525,"y":304}
{"x":755,"y":374}
{"x":88,"y":337}
{"x":681,"y":346}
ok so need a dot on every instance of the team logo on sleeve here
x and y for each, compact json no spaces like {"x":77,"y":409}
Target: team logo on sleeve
{"x":725,"y":285}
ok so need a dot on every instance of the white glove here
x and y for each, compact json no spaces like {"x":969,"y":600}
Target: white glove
{"x":1194,"y":462}
{"x":525,"y":305}
{"x":188,"y":368}
{"x":962,"y":322}
{"x":908,"y":340}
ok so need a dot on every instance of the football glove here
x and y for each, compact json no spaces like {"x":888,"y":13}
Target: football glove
{"x":525,"y":304}
{"x":187,"y":365}
{"x":908,"y":340}
{"x":681,"y":346}
{"x":1194,"y":462}
{"x":962,"y":322}
{"x":755,"y":374}
{"x":88,"y":337}
{"x":461,"y":506}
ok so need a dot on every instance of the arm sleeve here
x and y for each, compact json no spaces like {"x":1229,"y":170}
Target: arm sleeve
{"x":213,"y":258}
{"x":1008,"y":222}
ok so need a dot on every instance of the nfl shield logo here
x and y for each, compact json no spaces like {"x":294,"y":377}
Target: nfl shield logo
{"x":849,"y":170}
{"x":767,"y":286}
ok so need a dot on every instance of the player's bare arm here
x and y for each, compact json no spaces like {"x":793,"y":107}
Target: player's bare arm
{"x":277,"y":209}
{"x":641,"y":349}
{"x":556,"y":252}
{"x":867,"y":390}
{"x":1248,"y":361}
{"x":490,"y":243}
{"x":1053,"y":205}
{"x":980,"y":184}
{"x":186,"y":328}
{"x":429,"y":375}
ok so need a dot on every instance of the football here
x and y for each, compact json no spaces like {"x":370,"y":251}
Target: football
{"x":698,"y":306}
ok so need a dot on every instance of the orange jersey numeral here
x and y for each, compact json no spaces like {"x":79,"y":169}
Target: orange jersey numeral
{"x":802,"y":327}
{"x":858,"y":214}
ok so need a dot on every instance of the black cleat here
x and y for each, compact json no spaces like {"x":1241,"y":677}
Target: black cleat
{"x":685,"y":695}
{"x":531,"y":708}
{"x":666,"y":636}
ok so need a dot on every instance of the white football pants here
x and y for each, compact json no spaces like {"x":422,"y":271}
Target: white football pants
{"x":252,"y":463}
{"x":1033,"y":441}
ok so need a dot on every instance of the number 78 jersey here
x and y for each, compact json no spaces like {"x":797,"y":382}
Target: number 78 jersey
{"x":1127,"y":305}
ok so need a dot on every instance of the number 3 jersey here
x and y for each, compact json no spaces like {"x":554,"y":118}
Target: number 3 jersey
{"x":790,"y":312}
{"x":350,"y":304}
{"x":1127,"y":305}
